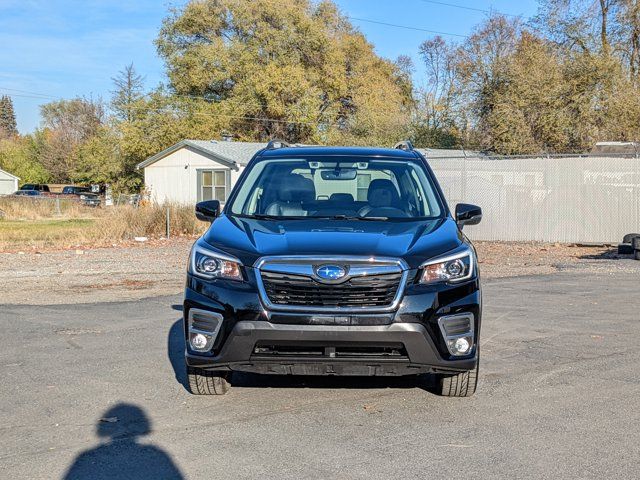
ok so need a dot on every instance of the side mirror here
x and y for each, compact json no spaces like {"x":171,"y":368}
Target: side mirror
{"x":467,"y":214}
{"x":208,"y":210}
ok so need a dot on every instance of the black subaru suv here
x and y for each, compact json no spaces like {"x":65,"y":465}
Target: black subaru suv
{"x":334,"y":261}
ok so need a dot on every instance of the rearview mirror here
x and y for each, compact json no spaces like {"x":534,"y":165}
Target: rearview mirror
{"x":339,"y":174}
{"x":208,"y":210}
{"x":467,"y":214}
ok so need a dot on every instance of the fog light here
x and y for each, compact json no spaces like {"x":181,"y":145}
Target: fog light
{"x":457,"y":331}
{"x":204,"y":327}
{"x":461,"y":345}
{"x":199,"y":341}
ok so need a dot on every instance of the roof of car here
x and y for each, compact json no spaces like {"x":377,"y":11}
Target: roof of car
{"x":337,"y":151}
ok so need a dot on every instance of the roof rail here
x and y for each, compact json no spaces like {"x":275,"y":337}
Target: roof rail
{"x":404,"y":145}
{"x":276,"y":143}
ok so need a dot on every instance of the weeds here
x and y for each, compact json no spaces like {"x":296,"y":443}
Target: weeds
{"x":126,"y":222}
{"x":30,"y":208}
{"x":28,"y":222}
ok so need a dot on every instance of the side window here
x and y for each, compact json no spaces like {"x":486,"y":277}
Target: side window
{"x":253,"y":201}
{"x":212,"y":185}
{"x":426,"y":201}
{"x":417,"y":192}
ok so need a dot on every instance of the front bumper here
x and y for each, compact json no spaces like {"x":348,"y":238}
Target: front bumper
{"x":419,"y":353}
{"x":91,"y":202}
{"x":311,"y":343}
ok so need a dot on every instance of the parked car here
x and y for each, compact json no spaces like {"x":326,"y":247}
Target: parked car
{"x":84,"y":194}
{"x":28,"y":193}
{"x":75,"y":190}
{"x":38,"y":187}
{"x":90,"y":199}
{"x":334,"y":261}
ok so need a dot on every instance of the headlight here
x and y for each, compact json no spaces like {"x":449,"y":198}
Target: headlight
{"x":207,"y":264}
{"x":452,"y":268}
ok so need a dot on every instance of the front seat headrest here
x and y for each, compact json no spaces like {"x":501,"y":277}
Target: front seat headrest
{"x":382,"y":193}
{"x":296,"y":188}
{"x":341,"y":198}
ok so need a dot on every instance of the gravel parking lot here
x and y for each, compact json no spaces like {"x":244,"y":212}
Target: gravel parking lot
{"x":96,"y":389}
{"x":133,"y":272}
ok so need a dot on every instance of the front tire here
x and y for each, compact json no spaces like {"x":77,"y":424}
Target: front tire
{"x":635,"y":243}
{"x":206,"y":382}
{"x":459,"y":385}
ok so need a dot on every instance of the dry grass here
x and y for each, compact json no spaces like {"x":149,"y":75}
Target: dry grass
{"x":37,"y":223}
{"x":42,"y":232}
{"x":126,"y":222}
{"x":34,"y":208}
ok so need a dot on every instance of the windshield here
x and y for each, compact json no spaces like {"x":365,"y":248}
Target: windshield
{"x":337,"y":187}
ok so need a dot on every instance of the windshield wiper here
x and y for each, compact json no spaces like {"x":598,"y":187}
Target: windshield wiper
{"x":350,"y":217}
{"x":261,"y":216}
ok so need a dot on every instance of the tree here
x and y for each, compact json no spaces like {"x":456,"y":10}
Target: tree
{"x":129,"y":87}
{"x":98,"y":160}
{"x":504,"y":89}
{"x":530,"y":112}
{"x":8,"y":127}
{"x":67,"y":124}
{"x":578,"y":25}
{"x":482,"y":72}
{"x":436,"y":116}
{"x":19,"y":157}
{"x":628,"y":21}
{"x":286,"y":68}
{"x":77,"y":119}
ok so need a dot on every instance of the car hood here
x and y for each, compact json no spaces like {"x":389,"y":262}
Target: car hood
{"x":250,"y":239}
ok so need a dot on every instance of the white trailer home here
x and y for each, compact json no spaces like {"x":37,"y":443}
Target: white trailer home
{"x":194,"y":170}
{"x":8,"y":183}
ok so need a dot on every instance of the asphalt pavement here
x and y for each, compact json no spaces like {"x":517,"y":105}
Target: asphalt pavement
{"x":97,"y":391}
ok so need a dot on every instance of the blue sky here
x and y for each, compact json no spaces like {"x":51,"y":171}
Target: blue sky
{"x":66,"y":48}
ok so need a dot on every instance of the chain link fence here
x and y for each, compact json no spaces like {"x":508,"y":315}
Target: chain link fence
{"x":41,"y":205}
{"x":125,"y":199}
{"x":560,"y":198}
{"x":557,"y":198}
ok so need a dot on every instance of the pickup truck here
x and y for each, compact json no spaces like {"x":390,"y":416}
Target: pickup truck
{"x":84,"y":194}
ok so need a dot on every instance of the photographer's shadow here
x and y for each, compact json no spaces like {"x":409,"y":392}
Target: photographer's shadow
{"x":122,"y":455}
{"x":175,"y":352}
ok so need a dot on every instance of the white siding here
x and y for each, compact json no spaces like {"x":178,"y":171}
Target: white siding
{"x":8,"y":184}
{"x":558,"y":199}
{"x":174,"y":178}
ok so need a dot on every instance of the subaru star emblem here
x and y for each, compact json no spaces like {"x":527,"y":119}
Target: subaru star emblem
{"x":330,"y":272}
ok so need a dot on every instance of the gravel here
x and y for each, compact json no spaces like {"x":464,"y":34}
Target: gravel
{"x":157,"y":268}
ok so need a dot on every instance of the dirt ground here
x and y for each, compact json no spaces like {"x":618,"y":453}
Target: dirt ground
{"x":158,"y":268}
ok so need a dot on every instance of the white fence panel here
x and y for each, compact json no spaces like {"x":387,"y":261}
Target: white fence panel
{"x":557,"y":199}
